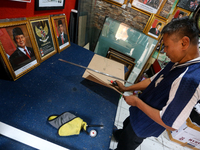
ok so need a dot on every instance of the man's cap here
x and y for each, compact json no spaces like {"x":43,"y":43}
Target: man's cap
{"x":59,"y":22}
{"x":181,"y":13}
{"x":17,"y":31}
{"x":159,"y":24}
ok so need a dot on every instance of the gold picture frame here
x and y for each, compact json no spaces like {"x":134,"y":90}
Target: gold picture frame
{"x":154,"y":26}
{"x":117,"y":2}
{"x":180,"y":12}
{"x":60,"y":26}
{"x":43,"y":36}
{"x":17,"y":48}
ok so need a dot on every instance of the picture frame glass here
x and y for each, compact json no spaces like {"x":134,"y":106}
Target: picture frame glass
{"x":17,"y":49}
{"x":43,"y":35}
{"x":127,"y":40}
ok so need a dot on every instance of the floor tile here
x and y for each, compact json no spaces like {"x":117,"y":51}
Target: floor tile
{"x":148,"y":144}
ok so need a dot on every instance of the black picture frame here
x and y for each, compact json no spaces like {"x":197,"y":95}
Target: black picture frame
{"x":49,"y":4}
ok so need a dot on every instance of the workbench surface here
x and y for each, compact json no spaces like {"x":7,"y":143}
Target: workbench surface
{"x":55,"y":87}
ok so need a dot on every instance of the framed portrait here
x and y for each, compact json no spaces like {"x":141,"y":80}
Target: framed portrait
{"x":179,"y":13}
{"x":168,"y":8}
{"x":61,"y":33}
{"x":17,"y":48}
{"x":49,"y":4}
{"x":150,"y":6}
{"x":189,"y":5}
{"x":154,"y":27}
{"x":117,"y":2}
{"x":43,"y":36}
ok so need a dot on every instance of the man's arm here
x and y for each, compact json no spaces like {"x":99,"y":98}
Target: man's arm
{"x":138,"y":86}
{"x":153,"y":113}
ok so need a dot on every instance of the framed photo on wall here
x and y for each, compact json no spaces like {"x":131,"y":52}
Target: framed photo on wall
{"x":43,"y":36}
{"x":17,"y":48}
{"x":61,"y":33}
{"x":49,"y":4}
{"x":154,"y":27}
{"x":150,"y":6}
{"x":169,"y":8}
{"x":189,"y":5}
{"x":179,"y":13}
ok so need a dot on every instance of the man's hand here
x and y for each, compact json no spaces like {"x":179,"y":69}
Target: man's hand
{"x":135,"y":87}
{"x":131,"y":100}
{"x":120,"y":86}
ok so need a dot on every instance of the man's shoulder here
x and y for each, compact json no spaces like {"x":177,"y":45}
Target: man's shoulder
{"x":15,"y":53}
{"x":195,"y":67}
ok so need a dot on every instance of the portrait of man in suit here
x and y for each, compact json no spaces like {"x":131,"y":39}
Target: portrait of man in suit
{"x":23,"y":54}
{"x":63,"y":38}
{"x":156,"y":30}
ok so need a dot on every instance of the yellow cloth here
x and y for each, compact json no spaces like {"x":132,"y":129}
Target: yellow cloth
{"x":72,"y":127}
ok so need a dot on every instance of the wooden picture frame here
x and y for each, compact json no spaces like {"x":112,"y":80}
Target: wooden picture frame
{"x":14,"y":38}
{"x":152,"y":6}
{"x":128,"y":61}
{"x":179,"y":13}
{"x":43,"y":36}
{"x":117,"y":2}
{"x":60,"y":25}
{"x":49,"y":4}
{"x":154,"y":27}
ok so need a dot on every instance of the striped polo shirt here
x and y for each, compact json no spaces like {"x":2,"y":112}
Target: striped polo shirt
{"x":174,"y":91}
